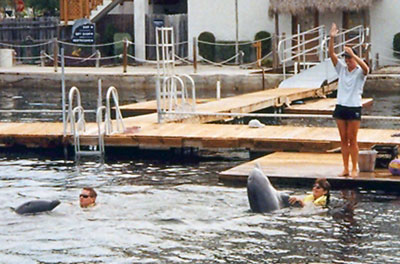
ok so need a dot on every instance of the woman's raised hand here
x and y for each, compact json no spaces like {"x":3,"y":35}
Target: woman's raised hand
{"x":334,"y":31}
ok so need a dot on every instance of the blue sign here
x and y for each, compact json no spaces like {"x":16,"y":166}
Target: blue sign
{"x":158,"y":23}
{"x":83,"y":31}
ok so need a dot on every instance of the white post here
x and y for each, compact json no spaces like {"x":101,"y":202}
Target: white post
{"x":140,"y":10}
{"x":63,"y":93}
{"x":218,"y":90}
{"x":99,"y":98}
{"x":237,"y":30}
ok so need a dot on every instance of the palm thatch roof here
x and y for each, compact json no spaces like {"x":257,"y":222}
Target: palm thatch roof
{"x":296,"y":7}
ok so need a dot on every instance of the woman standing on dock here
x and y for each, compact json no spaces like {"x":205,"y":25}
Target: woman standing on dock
{"x":352,"y":75}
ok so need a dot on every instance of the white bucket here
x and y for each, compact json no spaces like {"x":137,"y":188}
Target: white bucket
{"x":6,"y":58}
{"x":366,"y":160}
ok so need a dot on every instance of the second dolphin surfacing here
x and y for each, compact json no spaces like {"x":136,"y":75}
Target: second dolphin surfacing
{"x":263,"y":197}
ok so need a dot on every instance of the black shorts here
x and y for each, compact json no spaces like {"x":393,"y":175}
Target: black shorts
{"x":347,"y":113}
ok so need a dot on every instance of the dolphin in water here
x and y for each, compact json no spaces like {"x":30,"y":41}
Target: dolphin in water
{"x":37,"y":206}
{"x":263,"y":197}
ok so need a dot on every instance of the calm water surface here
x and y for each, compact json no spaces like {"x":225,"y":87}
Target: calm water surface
{"x":169,"y":211}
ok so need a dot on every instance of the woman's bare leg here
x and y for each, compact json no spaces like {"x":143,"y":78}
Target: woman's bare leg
{"x":352,"y":131}
{"x":344,"y":144}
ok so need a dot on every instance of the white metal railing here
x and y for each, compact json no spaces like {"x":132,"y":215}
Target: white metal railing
{"x":288,"y":53}
{"x":112,"y":92}
{"x":356,"y":41}
{"x":74,"y":93}
{"x":76,"y":128}
{"x":99,"y":120}
{"x":78,"y":125}
{"x":171,"y":91}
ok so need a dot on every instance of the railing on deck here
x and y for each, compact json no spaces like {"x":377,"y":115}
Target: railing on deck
{"x":76,"y":9}
{"x":297,"y":47}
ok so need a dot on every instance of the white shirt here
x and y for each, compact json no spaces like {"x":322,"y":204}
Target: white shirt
{"x":351,"y":84}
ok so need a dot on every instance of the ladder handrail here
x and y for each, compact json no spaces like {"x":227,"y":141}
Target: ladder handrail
{"x":170,"y":92}
{"x":193,"y":90}
{"x":75,"y":130}
{"x":112,"y":91}
{"x":99,"y":120}
{"x":74,"y":91}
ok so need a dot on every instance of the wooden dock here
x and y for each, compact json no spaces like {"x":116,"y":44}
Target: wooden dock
{"x":304,"y":168}
{"x":150,"y":107}
{"x":320,"y":106}
{"x":144,"y":132}
{"x":202,"y":136}
{"x":245,"y":103}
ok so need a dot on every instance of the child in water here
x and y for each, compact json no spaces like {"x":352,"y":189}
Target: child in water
{"x":320,"y":194}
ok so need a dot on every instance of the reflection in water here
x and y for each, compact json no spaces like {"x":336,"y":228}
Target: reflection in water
{"x":171,"y":212}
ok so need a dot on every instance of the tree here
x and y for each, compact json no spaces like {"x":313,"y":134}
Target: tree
{"x":43,"y":7}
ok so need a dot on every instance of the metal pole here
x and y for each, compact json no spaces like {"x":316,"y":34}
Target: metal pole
{"x":99,"y":98}
{"x":63,"y":93}
{"x":194,"y":55}
{"x":237,"y":31}
{"x":124,"y":55}
{"x":55,"y":54}
{"x":158,"y":77}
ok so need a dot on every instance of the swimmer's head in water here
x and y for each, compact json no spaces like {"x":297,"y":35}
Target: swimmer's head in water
{"x":321,"y":187}
{"x":87,"y":197}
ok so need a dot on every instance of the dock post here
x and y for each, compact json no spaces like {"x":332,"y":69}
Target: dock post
{"x":98,"y":57}
{"x":218,"y":90}
{"x":377,"y":61}
{"x":55,"y":54}
{"x":274,"y":52}
{"x":63,"y":93}
{"x":42,"y":58}
{"x":124,"y":55}
{"x":194,"y":55}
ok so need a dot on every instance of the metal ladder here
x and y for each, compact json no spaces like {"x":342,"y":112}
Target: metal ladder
{"x":171,"y":91}
{"x":78,"y":126}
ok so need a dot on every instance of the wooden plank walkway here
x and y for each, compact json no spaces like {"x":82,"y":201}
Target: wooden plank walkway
{"x":149,"y":107}
{"x":320,"y":106}
{"x":244,"y":103}
{"x":306,"y":167}
{"x":203,"y":136}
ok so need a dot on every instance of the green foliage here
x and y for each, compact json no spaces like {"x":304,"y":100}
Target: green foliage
{"x":207,"y":51}
{"x":224,"y":52}
{"x":119,"y":47}
{"x":396,"y":45}
{"x":265,"y":44}
{"x":108,"y":37}
{"x":43,"y":7}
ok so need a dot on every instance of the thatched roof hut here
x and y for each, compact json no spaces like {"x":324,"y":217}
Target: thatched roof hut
{"x":296,"y":7}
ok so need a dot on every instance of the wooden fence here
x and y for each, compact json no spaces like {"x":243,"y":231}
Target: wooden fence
{"x":76,"y":9}
{"x":26,"y":33}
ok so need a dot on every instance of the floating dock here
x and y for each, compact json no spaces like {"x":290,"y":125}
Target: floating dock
{"x":304,"y":168}
{"x":245,"y":103}
{"x":144,"y":132}
{"x":320,"y":106}
{"x":202,"y":136}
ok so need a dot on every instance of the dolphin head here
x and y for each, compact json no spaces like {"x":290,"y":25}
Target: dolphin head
{"x":37,"y":206}
{"x":262,"y":195}
{"x":53,"y":204}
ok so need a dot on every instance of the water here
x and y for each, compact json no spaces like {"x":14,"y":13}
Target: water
{"x":152,"y":211}
{"x":173,"y":211}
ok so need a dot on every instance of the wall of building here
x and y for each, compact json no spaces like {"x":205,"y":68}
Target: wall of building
{"x":218,"y":17}
{"x":385,"y":23}
{"x":126,"y":8}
